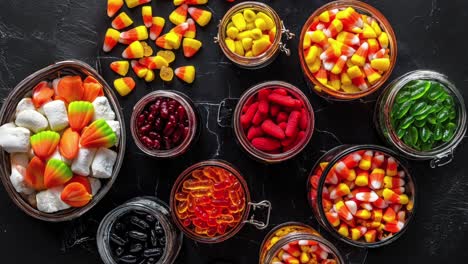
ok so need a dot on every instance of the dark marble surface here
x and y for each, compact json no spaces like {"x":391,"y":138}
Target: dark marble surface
{"x":431,"y":34}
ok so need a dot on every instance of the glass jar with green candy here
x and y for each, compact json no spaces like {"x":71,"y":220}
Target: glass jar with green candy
{"x":422,"y":115}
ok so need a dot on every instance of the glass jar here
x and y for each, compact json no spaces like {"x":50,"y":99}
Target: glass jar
{"x":7,"y":114}
{"x":247,"y":205}
{"x":362,"y":8}
{"x":292,"y":232}
{"x":268,"y":56}
{"x":193,"y":123}
{"x":150,"y":205}
{"x":320,"y":186}
{"x":242,"y":137}
{"x":439,"y":156}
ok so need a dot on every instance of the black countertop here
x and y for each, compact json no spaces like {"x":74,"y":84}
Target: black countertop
{"x":431,"y":34}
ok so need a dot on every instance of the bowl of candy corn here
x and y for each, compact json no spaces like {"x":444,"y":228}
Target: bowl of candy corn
{"x":364,"y":195}
{"x":347,"y":50}
{"x":62,"y":142}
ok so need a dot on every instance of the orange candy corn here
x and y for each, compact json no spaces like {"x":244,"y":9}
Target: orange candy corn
{"x":120,"y":67}
{"x":192,"y":29}
{"x":156,"y":27}
{"x":147,"y":13}
{"x":34,"y":177}
{"x":92,"y":89}
{"x":45,"y":143}
{"x":179,"y":15}
{"x":69,"y":144}
{"x":202,"y":17}
{"x":191,"y":47}
{"x":111,"y":39}
{"x":124,"y":85}
{"x":133,"y":51}
{"x":42,"y":94}
{"x":137,"y":33}
{"x":75,"y":195}
{"x":186,"y":73}
{"x":70,"y":88}
{"x":83,"y":180}
{"x":113,"y":6}
{"x":135,"y":3}
{"x":121,"y":21}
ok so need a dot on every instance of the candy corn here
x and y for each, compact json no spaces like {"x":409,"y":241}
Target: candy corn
{"x":45,"y":143}
{"x":186,"y":73}
{"x":98,"y":135}
{"x":139,"y":69}
{"x":202,"y":17}
{"x":137,"y":33}
{"x":179,"y":15}
{"x":120,"y":67}
{"x":113,"y":6}
{"x":180,"y":29}
{"x":170,"y":40}
{"x":111,"y":39}
{"x":152,"y":63}
{"x":135,"y":3}
{"x":56,"y":173}
{"x":121,"y":21}
{"x":124,"y":85}
{"x":147,"y":13}
{"x":192,"y":29}
{"x":80,"y":113}
{"x":156,"y":27}
{"x":191,"y":47}
{"x":133,"y":51}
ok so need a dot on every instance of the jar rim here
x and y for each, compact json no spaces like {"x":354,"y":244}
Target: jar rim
{"x":192,"y":116}
{"x":250,"y":62}
{"x":185,"y":174}
{"x":392,"y":90}
{"x":241,"y":135}
{"x":344,"y":151}
{"x":383,"y":22}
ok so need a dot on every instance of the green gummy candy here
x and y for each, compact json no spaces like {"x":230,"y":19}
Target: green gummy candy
{"x":442,"y":115}
{"x":448,"y":132}
{"x":403,"y":96}
{"x":405,"y":123}
{"x":425,"y":134}
{"x":435,"y":92}
{"x":401,"y":110}
{"x":419,"y":89}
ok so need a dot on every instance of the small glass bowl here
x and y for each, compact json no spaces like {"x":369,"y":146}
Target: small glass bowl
{"x":7,"y":113}
{"x":249,"y":205}
{"x":242,"y":137}
{"x":440,"y":155}
{"x":193,"y":118}
{"x":290,"y":232}
{"x":151,"y":205}
{"x":362,"y":8}
{"x":315,"y":195}
{"x":268,"y":56}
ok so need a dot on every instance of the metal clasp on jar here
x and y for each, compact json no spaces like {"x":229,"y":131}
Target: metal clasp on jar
{"x":288,"y":35}
{"x":442,"y":159}
{"x":260,"y":205}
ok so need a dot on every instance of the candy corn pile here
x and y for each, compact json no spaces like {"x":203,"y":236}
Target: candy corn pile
{"x":346,"y":51}
{"x":143,"y":61}
{"x":60,"y":143}
{"x":250,"y":34}
{"x":366,"y":197}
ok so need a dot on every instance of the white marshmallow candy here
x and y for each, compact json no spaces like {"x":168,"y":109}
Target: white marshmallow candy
{"x":115,"y":125}
{"x":14,"y":139}
{"x":25,"y":104}
{"x":56,"y":113}
{"x":19,"y":163}
{"x":32,"y":120}
{"x":95,"y":185}
{"x":7,"y":125}
{"x":49,"y":201}
{"x":103,"y":163}
{"x":102,"y":109}
{"x":83,"y":160}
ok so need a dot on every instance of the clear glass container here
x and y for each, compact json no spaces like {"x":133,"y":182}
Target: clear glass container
{"x":7,"y":114}
{"x":438,"y":156}
{"x":268,"y":56}
{"x":193,"y":118}
{"x":248,"y":216}
{"x":242,"y":137}
{"x":151,"y":205}
{"x":291,"y":232}
{"x":315,"y":193}
{"x":362,"y":8}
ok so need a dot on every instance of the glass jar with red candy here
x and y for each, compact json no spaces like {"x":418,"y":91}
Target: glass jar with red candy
{"x":210,"y":202}
{"x":164,"y":124}
{"x":363,"y":195}
{"x":273,"y":121}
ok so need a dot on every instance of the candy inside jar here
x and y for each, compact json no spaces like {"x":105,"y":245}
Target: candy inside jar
{"x":362,"y":194}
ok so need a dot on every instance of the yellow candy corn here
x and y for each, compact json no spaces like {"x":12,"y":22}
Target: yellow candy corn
{"x":239,"y":48}
{"x":249,"y":15}
{"x":261,"y":24}
{"x":111,"y":39}
{"x":230,"y":44}
{"x":381,"y":64}
{"x":178,"y":2}
{"x":239,"y":21}
{"x":244,"y":34}
{"x":354,"y":72}
{"x":250,"y":26}
{"x":256,"y":33}
{"x":260,"y":46}
{"x":248,"y":54}
{"x":147,"y":13}
{"x":120,"y":67}
{"x":168,"y":55}
{"x":247,"y":43}
{"x":202,"y":17}
{"x":232,"y":32}
{"x":383,"y":40}
{"x":315,"y":67}
{"x":345,"y":80}
{"x":186,"y":73}
{"x":269,"y":22}
{"x":166,"y":74}
{"x":124,"y":85}
{"x":368,"y":32}
{"x":121,"y":21}
{"x":149,"y":77}
{"x":376,"y":27}
{"x":135,"y":3}
{"x":313,"y":54}
{"x":133,"y":51}
{"x":173,"y":39}
{"x":179,"y":15}
{"x":191,"y":47}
